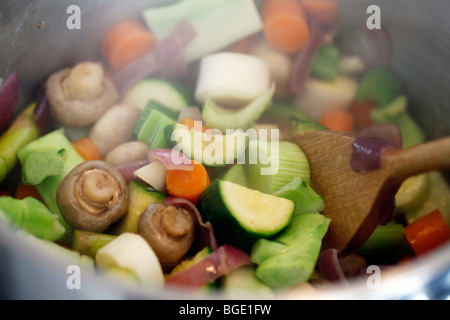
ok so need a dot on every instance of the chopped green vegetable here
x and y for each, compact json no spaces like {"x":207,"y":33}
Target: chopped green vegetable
{"x":325,"y":65}
{"x":284,"y":111}
{"x":140,"y":198}
{"x":412,"y":133}
{"x":88,"y":243}
{"x":270,"y":166}
{"x":291,"y":257}
{"x":151,"y":128}
{"x":413,"y":193}
{"x":41,"y":165}
{"x":241,"y":215}
{"x":53,"y":142}
{"x":212,"y":21}
{"x":224,"y":119}
{"x":186,"y":264}
{"x":305,"y":198}
{"x":212,"y":149}
{"x":32,"y":216}
{"x":21,"y":132}
{"x":242,"y":284}
{"x":380,"y":86}
{"x":298,"y":127}
{"x":164,"y":92}
{"x":236,"y":174}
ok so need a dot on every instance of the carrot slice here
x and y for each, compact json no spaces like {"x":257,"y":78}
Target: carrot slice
{"x":338,"y":121}
{"x":24,"y":191}
{"x":87,"y":149}
{"x":323,"y":11}
{"x":188,"y":184}
{"x":276,"y":7}
{"x":427,"y":233}
{"x":125,"y":43}
{"x":190,"y":123}
{"x":287,"y":33}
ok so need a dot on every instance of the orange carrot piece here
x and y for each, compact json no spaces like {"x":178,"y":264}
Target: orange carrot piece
{"x":361,"y":113}
{"x":24,"y":191}
{"x":427,"y":233}
{"x":87,"y":149}
{"x":190,"y":123}
{"x":285,"y":25}
{"x":323,"y":11}
{"x":338,"y":121}
{"x":125,"y":43}
{"x":188,"y":184}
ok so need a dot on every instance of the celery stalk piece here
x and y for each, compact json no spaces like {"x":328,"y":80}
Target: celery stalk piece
{"x":326,"y":63}
{"x":212,"y":20}
{"x":22,"y":131}
{"x":88,"y":243}
{"x":53,"y":142}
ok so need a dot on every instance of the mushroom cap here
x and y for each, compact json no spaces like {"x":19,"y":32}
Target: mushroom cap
{"x":168,"y":230}
{"x":93,"y":196}
{"x":76,"y":113}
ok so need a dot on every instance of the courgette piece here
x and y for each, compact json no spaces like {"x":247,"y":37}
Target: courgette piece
{"x":241,"y":215}
{"x":151,"y":128}
{"x":164,"y":92}
{"x":140,"y":198}
{"x":236,"y":174}
{"x":186,"y":264}
{"x":413,"y":193}
{"x":379,"y":85}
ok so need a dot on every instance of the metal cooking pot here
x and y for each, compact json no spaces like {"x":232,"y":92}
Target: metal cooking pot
{"x":34,"y":41}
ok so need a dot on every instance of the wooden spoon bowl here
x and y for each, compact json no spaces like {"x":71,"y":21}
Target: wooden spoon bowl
{"x":357,"y":202}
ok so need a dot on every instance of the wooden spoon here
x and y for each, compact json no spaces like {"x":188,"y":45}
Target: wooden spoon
{"x":357,"y":202}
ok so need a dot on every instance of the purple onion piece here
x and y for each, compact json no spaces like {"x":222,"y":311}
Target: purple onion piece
{"x":204,"y":233}
{"x":9,"y":95}
{"x":367,"y":153}
{"x":42,"y":112}
{"x":172,"y":159}
{"x":388,"y":132}
{"x":301,"y":68}
{"x":389,"y":212}
{"x":127,"y":170}
{"x":330,"y":267}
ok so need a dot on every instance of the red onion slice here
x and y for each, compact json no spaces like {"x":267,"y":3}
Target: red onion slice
{"x":219,"y":263}
{"x":330,"y":267}
{"x":9,"y":95}
{"x":42,"y":113}
{"x":204,"y":232}
{"x":367,"y":153}
{"x":127,"y":170}
{"x":172,"y":159}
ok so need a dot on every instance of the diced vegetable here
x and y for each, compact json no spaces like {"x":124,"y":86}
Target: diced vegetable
{"x":284,"y":111}
{"x":241,"y":215}
{"x":220,"y":262}
{"x":88,"y":243}
{"x":141,"y":259}
{"x":305,"y":198}
{"x":235,"y":174}
{"x":209,"y":23}
{"x":126,"y":42}
{"x":413,"y":193}
{"x":223,"y":119}
{"x":24,"y":191}
{"x":285,"y":25}
{"x":320,"y":97}
{"x":53,"y":142}
{"x":21,"y":132}
{"x":140,"y":198}
{"x":362,"y":114}
{"x":242,"y":284}
{"x":33,"y":217}
{"x":188,"y":184}
{"x":151,"y":128}
{"x":387,"y":245}
{"x":427,"y":233}
{"x":9,"y":95}
{"x":325,"y":65}
{"x":380,"y":86}
{"x":186,"y":264}
{"x":41,"y":165}
{"x":154,"y":174}
{"x":291,"y":256}
{"x":232,"y":79}
{"x":211,"y":148}
{"x":87,"y":149}
{"x":270,"y":166}
{"x":338,"y":121}
{"x":162,"y":91}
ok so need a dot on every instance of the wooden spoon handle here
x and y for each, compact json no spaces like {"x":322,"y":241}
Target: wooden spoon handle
{"x":431,"y":156}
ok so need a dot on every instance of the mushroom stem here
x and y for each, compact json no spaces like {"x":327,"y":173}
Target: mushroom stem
{"x":98,"y":187}
{"x":85,"y":81}
{"x":175,"y":223}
